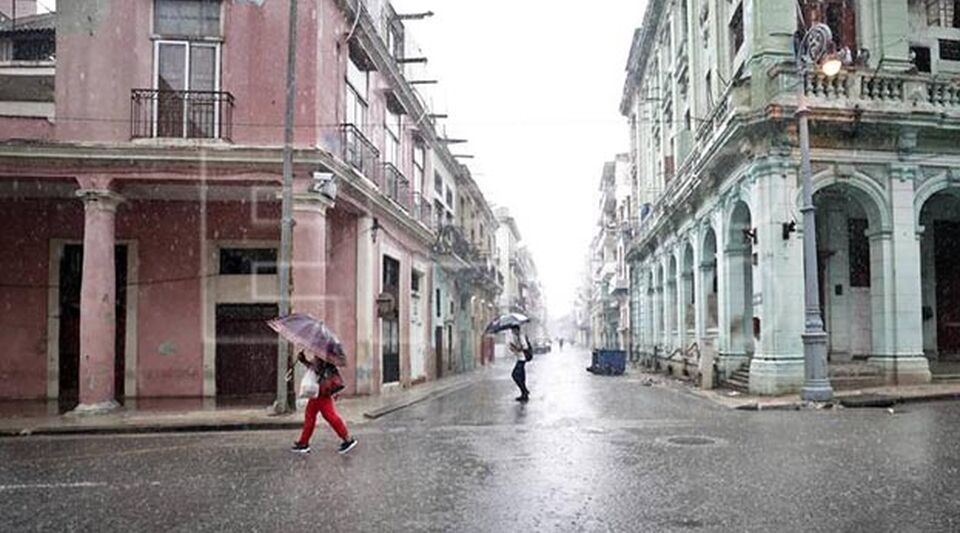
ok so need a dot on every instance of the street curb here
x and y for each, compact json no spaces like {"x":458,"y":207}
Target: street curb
{"x":745,"y":403}
{"x":215,"y":426}
{"x":387,"y":409}
{"x":150,"y":429}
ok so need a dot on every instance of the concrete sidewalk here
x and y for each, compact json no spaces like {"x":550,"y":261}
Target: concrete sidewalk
{"x":865,"y":397}
{"x":353,"y":410}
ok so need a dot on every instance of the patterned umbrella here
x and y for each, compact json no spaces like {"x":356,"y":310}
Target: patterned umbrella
{"x":507,"y":321}
{"x":310,"y":335}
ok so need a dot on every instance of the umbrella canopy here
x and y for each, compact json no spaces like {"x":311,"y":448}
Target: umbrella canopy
{"x":311,"y":335}
{"x":507,"y":321}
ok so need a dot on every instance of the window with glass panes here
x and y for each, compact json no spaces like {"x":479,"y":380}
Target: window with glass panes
{"x":944,"y":13}
{"x":419,"y":162}
{"x":391,"y":141}
{"x":186,"y":67}
{"x":358,"y":86}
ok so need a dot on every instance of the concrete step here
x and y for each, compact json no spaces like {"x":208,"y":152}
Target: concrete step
{"x":946,"y":378}
{"x":856,"y":382}
{"x":738,"y":381}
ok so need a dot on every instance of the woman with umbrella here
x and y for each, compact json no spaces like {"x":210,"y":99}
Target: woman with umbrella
{"x":326,"y":354}
{"x":520,"y":346}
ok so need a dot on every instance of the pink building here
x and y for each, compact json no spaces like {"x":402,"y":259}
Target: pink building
{"x":139,"y":216}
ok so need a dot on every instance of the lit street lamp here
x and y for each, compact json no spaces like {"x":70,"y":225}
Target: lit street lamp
{"x":816,"y":48}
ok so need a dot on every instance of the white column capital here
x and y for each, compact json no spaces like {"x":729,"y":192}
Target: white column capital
{"x":316,"y":203}
{"x":101,"y":199}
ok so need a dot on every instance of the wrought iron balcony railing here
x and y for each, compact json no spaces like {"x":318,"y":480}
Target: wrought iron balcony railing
{"x":396,"y":186}
{"x":360,"y":153}
{"x":157,"y":113}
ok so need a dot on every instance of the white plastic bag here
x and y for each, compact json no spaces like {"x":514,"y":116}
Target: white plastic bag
{"x":309,"y":388}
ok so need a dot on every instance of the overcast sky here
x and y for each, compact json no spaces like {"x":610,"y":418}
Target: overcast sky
{"x":535,"y":86}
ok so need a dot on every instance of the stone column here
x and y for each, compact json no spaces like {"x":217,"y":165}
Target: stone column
{"x":668,"y":303}
{"x":778,"y":367}
{"x":366,"y":296}
{"x":902,"y":339}
{"x":708,"y":344}
{"x":658,"y":308}
{"x":98,"y":321}
{"x":309,"y":262}
{"x":723,"y":286}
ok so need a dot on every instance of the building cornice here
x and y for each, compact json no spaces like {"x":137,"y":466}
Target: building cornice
{"x":643,"y":40}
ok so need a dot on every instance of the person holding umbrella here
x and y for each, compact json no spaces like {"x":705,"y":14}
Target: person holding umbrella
{"x":327,"y":353}
{"x":520,"y":346}
{"x":323,"y":404}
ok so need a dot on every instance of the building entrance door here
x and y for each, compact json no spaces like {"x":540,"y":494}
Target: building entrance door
{"x":246,"y":359}
{"x":947,"y":246}
{"x":391,"y":323}
{"x":438,"y":343}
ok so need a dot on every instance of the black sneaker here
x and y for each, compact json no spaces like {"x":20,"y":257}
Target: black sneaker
{"x":523,"y":398}
{"x":346,"y":446}
{"x":300,"y":448}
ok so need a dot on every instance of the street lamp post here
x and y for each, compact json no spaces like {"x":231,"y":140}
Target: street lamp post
{"x":814,"y":49}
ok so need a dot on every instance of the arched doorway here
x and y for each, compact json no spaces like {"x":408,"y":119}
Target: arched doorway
{"x":672,"y":329}
{"x":688,"y":298}
{"x":739,"y":290}
{"x":649,"y":312}
{"x":658,"y":326}
{"x":709,"y":282}
{"x":851,"y":285}
{"x":940,"y":274}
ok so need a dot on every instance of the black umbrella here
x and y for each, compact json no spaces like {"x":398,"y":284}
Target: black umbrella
{"x":507,"y":321}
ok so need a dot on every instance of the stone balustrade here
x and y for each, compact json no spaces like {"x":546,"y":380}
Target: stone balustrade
{"x":867,"y":90}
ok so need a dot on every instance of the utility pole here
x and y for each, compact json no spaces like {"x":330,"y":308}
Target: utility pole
{"x":286,"y":217}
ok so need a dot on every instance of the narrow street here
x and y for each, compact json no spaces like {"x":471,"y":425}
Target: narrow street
{"x":588,"y":453}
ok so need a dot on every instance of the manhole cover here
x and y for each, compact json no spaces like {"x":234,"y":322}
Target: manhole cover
{"x":691,"y":441}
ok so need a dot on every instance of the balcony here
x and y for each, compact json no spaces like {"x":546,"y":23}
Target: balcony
{"x":619,"y":285}
{"x":871,"y":92}
{"x":181,"y":114}
{"x":396,"y":186}
{"x":359,"y":152}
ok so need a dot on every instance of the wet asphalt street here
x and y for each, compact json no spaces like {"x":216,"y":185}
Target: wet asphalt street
{"x":587,"y":453}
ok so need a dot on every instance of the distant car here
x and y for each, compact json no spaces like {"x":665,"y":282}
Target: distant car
{"x":542,"y":345}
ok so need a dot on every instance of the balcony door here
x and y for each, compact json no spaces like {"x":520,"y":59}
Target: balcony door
{"x":187,"y":80}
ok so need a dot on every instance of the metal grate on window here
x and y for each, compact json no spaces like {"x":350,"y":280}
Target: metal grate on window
{"x":949,"y":50}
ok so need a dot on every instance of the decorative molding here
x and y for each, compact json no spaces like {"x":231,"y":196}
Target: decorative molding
{"x":904,"y":172}
{"x":101,"y":199}
{"x":907,"y":140}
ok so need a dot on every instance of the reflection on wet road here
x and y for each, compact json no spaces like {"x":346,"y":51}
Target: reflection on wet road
{"x":588,"y":453}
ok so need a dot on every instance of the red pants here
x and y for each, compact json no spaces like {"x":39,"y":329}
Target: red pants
{"x":323,"y":405}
